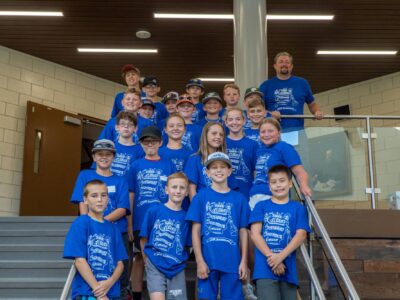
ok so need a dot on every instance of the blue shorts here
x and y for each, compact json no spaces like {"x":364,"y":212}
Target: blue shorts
{"x":230,"y":284}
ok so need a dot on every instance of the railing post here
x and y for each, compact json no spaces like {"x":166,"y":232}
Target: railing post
{"x":371,"y":163}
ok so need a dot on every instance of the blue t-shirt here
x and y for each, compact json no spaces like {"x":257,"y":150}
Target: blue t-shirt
{"x":191,"y":137}
{"x":100,"y":243}
{"x":177,"y":156}
{"x":124,"y":157}
{"x":253,"y":134}
{"x":109,"y":132}
{"x":167,"y":232}
{"x":288,"y":97}
{"x":204,"y":121}
{"x":118,"y":196}
{"x":117,"y":107}
{"x":221,"y":216}
{"x":280,"y":153}
{"x":198,"y":113}
{"x":196,"y":173}
{"x":147,"y":179}
{"x":247,"y":124}
{"x":242,"y":154}
{"x":279,"y":224}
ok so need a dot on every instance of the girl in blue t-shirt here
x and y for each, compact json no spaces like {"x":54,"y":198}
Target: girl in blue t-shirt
{"x":275,"y":152}
{"x":212,"y":140}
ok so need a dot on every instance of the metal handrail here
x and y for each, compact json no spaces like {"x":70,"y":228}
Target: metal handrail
{"x":331,"y":249}
{"x":311,"y":272}
{"x":68,"y":283}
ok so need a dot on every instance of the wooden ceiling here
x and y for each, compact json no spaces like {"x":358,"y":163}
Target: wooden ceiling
{"x":195,"y":48}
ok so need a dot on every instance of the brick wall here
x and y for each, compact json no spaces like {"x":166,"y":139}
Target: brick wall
{"x":24,"y":77}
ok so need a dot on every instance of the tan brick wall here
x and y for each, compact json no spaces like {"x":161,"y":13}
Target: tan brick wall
{"x":24,"y":77}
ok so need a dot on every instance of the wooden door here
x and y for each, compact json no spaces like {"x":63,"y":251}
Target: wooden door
{"x":52,"y":156}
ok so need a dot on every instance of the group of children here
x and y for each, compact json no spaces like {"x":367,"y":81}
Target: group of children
{"x":187,"y":173}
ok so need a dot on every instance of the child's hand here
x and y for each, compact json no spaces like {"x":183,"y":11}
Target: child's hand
{"x":274,"y":259}
{"x":280,"y":270}
{"x":242,"y":271}
{"x":130,"y":235}
{"x":102,"y":289}
{"x":275,"y":114}
{"x":202,"y":270}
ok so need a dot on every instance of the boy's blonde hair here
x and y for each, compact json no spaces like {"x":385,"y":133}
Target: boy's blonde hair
{"x":232,"y":86}
{"x":178,"y":175}
{"x":90,"y":183}
{"x":271,"y":121}
{"x":256,"y":102}
{"x":230,"y":109}
{"x":203,"y":149}
{"x":175,"y":115}
{"x":132,"y":91}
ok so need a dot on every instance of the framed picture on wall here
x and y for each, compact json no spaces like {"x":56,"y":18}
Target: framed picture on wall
{"x":330,"y":172}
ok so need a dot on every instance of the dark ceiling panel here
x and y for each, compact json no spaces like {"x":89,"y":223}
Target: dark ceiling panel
{"x":189,"y":48}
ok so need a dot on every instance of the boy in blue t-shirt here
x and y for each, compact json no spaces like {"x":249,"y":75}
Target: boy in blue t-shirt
{"x":195,"y":88}
{"x":146,"y":178}
{"x":256,"y":113}
{"x":97,"y":248}
{"x":151,"y":88}
{"x":212,"y":105}
{"x":118,"y":205}
{"x":164,"y":234}
{"x":278,"y":227}
{"x":219,"y":233}
{"x":126,"y":150}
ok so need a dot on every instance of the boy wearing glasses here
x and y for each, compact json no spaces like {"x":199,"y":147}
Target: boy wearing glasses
{"x":118,"y":199}
{"x":195,"y":89}
{"x":147,"y":178}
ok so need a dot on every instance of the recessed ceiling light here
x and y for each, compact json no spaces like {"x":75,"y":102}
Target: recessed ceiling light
{"x":300,"y":17}
{"x":231,"y":17}
{"x":356,"y":52}
{"x":32,"y":13}
{"x":194,"y":16}
{"x":217,"y":79}
{"x":116,"y":50}
{"x":143,"y":34}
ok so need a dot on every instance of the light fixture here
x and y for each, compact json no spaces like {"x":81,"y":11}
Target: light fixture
{"x":301,"y":17}
{"x":356,"y":52}
{"x":31,"y":13}
{"x":217,"y":79}
{"x":194,"y":16}
{"x":143,"y":34}
{"x":231,"y":17}
{"x":117,"y":50}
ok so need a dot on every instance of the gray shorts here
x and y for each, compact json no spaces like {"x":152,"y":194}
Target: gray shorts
{"x":174,"y":288}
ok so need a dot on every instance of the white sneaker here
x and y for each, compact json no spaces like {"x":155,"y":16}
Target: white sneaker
{"x":248,"y":292}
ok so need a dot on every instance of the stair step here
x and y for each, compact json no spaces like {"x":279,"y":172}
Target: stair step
{"x":34,"y":264}
{"x":32,"y":232}
{"x":31,"y":248}
{"x":20,"y":241}
{"x":44,"y":219}
{"x":29,"y":282}
{"x":31,"y":255}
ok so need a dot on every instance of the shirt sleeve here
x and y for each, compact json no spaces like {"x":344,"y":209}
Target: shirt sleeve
{"x":120,"y":252}
{"x":77,"y":193}
{"x":76,"y":239}
{"x":123,"y":196}
{"x":191,"y":170}
{"x":309,"y":98}
{"x":107,"y":132}
{"x":131,"y":177}
{"x":194,"y":212}
{"x":147,"y":224}
{"x":302,"y":219}
{"x":257,"y":215}
{"x":290,"y":156}
{"x":244,"y":213}
{"x":117,"y":104}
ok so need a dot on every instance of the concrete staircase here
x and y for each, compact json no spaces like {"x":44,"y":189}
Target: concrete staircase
{"x":31,"y":264}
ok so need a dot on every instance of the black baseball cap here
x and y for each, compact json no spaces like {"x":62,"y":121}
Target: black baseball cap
{"x":151,"y":80}
{"x":150,"y":131}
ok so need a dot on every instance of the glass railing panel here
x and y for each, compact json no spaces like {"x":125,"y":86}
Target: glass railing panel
{"x":386,"y":154}
{"x":336,"y":161}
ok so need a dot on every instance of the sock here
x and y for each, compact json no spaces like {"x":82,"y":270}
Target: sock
{"x":137,"y":295}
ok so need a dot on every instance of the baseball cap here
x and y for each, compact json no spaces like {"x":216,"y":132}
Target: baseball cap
{"x":148,"y":102}
{"x":103,"y":144}
{"x":128,"y":68}
{"x":185,"y":98}
{"x":151,"y":80}
{"x":170,"y":96}
{"x":212,"y":95}
{"x":195,"y":82}
{"x":253,"y":90}
{"x":218,"y":156}
{"x":150,"y":131}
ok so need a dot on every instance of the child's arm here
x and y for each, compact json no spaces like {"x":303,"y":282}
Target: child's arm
{"x":143,"y":242}
{"x":202,"y":268}
{"x":104,"y":286}
{"x":275,"y":259}
{"x":302,"y":177}
{"x":192,"y":190}
{"x":116,"y":215}
{"x":244,"y":237}
{"x":83,"y":268}
{"x":129,"y":218}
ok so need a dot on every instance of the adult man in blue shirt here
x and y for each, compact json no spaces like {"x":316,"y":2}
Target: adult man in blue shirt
{"x":286,"y":94}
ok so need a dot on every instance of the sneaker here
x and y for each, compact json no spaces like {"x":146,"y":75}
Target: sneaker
{"x":248,"y":292}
